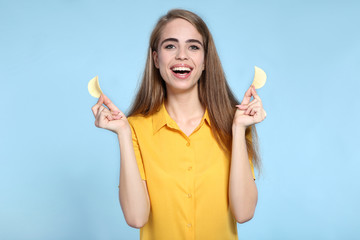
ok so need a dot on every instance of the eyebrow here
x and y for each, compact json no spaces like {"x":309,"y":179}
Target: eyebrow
{"x":176,"y":40}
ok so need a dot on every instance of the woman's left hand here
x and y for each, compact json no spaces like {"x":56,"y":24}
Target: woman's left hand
{"x":249,"y":113}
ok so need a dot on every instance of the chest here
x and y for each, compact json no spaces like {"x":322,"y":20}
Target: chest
{"x":171,"y":154}
{"x":189,"y":127}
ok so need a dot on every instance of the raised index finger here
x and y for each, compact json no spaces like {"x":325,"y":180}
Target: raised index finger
{"x":247,"y":96}
{"x":109,"y":104}
{"x":97,"y":105}
{"x":254,"y":93}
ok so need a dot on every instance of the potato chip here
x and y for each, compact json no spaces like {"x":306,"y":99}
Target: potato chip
{"x":94,"y":87}
{"x":259,"y":78}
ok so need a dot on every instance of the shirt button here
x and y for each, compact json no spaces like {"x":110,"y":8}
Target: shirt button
{"x":189,"y":168}
{"x":189,"y":195}
{"x":189,"y":225}
{"x":188,"y":144}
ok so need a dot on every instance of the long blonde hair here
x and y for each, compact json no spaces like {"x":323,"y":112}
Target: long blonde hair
{"x":214,"y":91}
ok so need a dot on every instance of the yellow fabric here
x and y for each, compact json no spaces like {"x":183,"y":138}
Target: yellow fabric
{"x":187,"y":180}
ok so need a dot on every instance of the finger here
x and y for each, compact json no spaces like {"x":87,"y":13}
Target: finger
{"x":247,"y":97}
{"x":109,"y":104}
{"x":254,"y":111}
{"x":103,"y":114}
{"x":250,"y":109}
{"x":254,"y":102}
{"x":251,"y":105}
{"x":102,"y":117}
{"x":109,"y":117}
{"x":242,"y":107}
{"x":100,"y":109}
{"x":98,"y":115}
{"x":117,"y":116}
{"x":118,"y":113}
{"x":254,"y":93}
{"x":107,"y":114}
{"x":96,"y":107}
{"x":247,"y":112}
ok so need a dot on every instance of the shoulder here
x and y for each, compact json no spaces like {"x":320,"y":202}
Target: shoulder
{"x":138,"y":118}
{"x":140,"y":121}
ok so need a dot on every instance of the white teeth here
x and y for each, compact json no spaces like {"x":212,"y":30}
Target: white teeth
{"x":181,"y":69}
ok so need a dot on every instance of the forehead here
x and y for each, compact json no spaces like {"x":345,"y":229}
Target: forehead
{"x":181,"y":30}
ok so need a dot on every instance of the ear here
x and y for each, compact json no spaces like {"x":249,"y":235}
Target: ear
{"x":156,"y":59}
{"x":203,"y":66}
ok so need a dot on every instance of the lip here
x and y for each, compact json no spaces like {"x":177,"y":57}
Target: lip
{"x":181,"y":76}
{"x":181,"y":65}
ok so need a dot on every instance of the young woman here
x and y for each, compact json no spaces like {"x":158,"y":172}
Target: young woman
{"x":187,"y":147}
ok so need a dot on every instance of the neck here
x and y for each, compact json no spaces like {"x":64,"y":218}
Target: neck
{"x":184,"y":106}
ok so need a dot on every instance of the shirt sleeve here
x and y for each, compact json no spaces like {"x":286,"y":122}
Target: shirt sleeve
{"x":248,"y":136}
{"x":137,"y":151}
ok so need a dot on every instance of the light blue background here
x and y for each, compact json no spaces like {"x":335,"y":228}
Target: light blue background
{"x":59,"y":173}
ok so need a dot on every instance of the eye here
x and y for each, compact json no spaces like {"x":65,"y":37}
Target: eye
{"x":169,"y":46}
{"x":194,"y":47}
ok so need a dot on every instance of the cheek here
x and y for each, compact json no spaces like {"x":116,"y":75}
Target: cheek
{"x":162,"y":61}
{"x":162,"y":64}
{"x":162,"y":67}
{"x":201,"y":62}
{"x":199,"y":58}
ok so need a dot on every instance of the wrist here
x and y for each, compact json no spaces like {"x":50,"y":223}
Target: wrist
{"x":236,"y":129}
{"x":123,"y":133}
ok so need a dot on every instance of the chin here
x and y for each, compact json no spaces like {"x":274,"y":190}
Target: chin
{"x":182,"y":87}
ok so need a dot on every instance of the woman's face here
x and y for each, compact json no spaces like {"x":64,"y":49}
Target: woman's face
{"x":180,"y":56}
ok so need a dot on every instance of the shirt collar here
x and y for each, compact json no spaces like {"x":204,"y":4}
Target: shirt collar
{"x":162,"y":118}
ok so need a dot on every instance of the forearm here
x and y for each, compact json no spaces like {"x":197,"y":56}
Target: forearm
{"x":133,"y":195}
{"x":242,"y":187}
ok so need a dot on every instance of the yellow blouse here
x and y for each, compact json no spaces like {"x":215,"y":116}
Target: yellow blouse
{"x":187,"y":180}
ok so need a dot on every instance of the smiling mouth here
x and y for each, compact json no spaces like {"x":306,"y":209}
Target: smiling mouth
{"x":181,"y":70}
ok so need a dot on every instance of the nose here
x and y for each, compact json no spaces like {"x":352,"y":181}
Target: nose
{"x":181,"y":54}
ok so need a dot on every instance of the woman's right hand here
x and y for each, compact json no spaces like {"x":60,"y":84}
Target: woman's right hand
{"x":110,"y":117}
